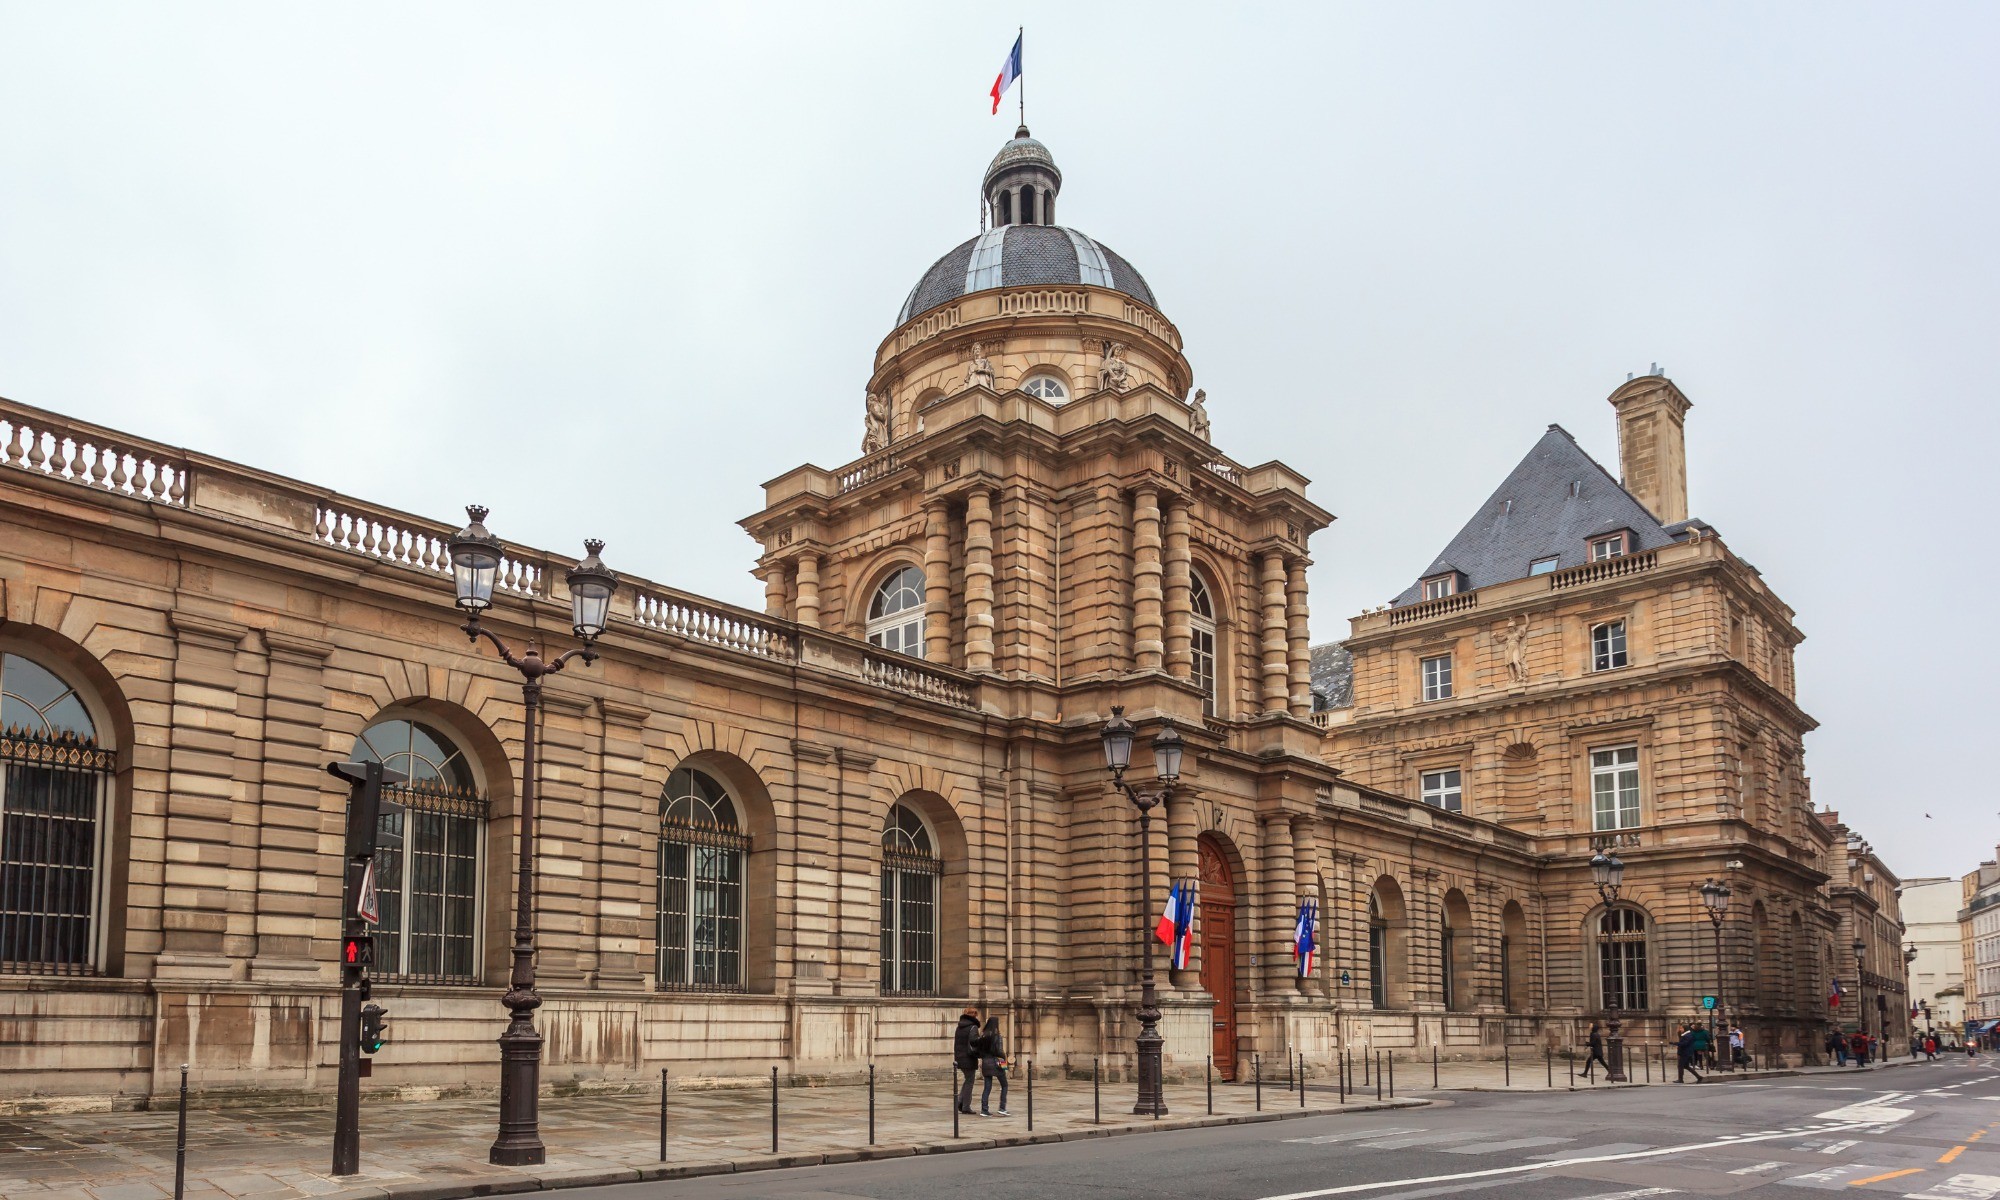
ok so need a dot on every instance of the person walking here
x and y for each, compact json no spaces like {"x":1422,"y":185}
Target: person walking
{"x":1735,"y":1047}
{"x":1596,"y":1042}
{"x":965,"y":1056}
{"x":993,"y":1065}
{"x":1704,"y":1048}
{"x":1684,"y":1060}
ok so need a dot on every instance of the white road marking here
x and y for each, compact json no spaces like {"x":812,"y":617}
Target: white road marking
{"x":1555,"y":1164}
{"x":1866,"y":1113}
{"x":1633,"y":1195}
{"x":1837,"y":1147}
{"x":1510,"y":1144}
{"x":1961,"y":1187}
{"x":1760,"y":1168}
{"x":1351,"y":1136}
{"x":1833,"y":1177}
{"x":1420,"y":1139}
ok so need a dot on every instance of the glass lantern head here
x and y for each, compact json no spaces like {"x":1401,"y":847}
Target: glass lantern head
{"x":475,"y":562}
{"x":1600,"y":869}
{"x":1714,"y":896}
{"x":1117,"y":738}
{"x":1167,"y":751}
{"x":591,"y":585}
{"x":1860,"y":948}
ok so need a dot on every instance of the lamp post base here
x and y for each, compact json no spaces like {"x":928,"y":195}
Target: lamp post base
{"x":1152,"y":1099}
{"x":1614,"y":1052}
{"x":520,"y":1140}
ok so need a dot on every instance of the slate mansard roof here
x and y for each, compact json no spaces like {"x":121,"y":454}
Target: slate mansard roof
{"x":1013,"y":255}
{"x":1553,"y":503}
{"x":1332,"y":676}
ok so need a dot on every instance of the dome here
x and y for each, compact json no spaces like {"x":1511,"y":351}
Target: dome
{"x":1019,"y":255}
{"x":1023,"y":151}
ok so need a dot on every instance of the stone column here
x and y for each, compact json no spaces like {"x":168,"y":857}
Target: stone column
{"x":1306,"y":875}
{"x":1298,"y":640}
{"x":937,"y":582}
{"x":1147,"y":646}
{"x":1180,"y":605}
{"x":1277,"y":689}
{"x":979,"y":580}
{"x":1183,"y":861}
{"x":1280,"y":898}
{"x":808,"y":600}
{"x":774,"y":590}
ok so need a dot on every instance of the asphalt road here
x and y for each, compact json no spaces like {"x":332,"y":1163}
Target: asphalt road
{"x":1926,"y":1131}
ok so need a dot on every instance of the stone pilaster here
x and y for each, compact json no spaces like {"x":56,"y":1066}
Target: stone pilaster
{"x":937,"y":582}
{"x":857,"y":916}
{"x":628,"y":833}
{"x":817,"y":916}
{"x":979,"y":580}
{"x":565,"y":894}
{"x":1298,"y":641}
{"x":199,"y":875}
{"x":1147,"y":633}
{"x":299,"y":878}
{"x":1179,"y":602}
{"x":1277,"y":688}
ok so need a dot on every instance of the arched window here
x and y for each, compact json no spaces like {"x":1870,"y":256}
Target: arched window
{"x":1048,"y":387}
{"x":910,"y":871}
{"x":896,"y":615}
{"x":1378,"y":954}
{"x":54,"y":789}
{"x":1456,"y":960}
{"x":1201,"y":642}
{"x":1621,"y":958}
{"x":427,"y":856}
{"x":702,"y":852}
{"x":1445,"y":972}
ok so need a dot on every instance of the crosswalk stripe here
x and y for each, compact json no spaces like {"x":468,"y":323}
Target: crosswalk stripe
{"x":1760,"y":1168}
{"x":1837,"y":1147}
{"x":1961,"y":1187}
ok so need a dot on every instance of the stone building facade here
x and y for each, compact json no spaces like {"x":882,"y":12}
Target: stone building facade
{"x":1979,"y":945}
{"x":1867,"y":901}
{"x":1937,"y":972}
{"x":808,"y":836}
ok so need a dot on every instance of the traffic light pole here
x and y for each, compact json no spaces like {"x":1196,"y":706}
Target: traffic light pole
{"x":364,"y":808}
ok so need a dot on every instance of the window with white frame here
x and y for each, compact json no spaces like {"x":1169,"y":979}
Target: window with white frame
{"x":1437,"y":587}
{"x":1621,"y":959}
{"x":896,"y":614}
{"x":1443,"y":789}
{"x":1607,"y":646}
{"x":1614,"y":788}
{"x":1201,"y":641}
{"x":910,"y":874}
{"x":427,"y":855}
{"x":1046,"y":387}
{"x":1609,"y":546}
{"x":702,"y":852}
{"x":55,"y":783}
{"x":1542,"y":566}
{"x":1437,"y":677}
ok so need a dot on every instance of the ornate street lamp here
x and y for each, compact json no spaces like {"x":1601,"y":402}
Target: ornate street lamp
{"x":1167,"y":751}
{"x":1715,"y":899}
{"x":1860,"y":995}
{"x":475,"y":566}
{"x":1608,"y":872}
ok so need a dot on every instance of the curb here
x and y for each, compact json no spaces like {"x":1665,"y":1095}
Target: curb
{"x":601,"y":1176}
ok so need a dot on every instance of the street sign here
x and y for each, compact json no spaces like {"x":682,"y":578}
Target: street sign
{"x":367,"y":900}
{"x":1708,"y":1002}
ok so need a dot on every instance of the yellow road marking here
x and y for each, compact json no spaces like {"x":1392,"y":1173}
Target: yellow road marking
{"x":1950,"y":1154}
{"x":1890,"y":1175}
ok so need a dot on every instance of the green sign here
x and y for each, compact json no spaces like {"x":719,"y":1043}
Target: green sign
{"x":1708,"y":1002}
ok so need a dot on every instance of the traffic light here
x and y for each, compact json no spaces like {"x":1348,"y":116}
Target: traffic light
{"x":357,"y":950}
{"x":374,"y":1028}
{"x":364,"y":805}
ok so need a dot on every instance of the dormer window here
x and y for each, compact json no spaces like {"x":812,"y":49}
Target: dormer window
{"x":1046,"y":387}
{"x":1611,"y":545}
{"x":1543,"y":566}
{"x":1437,"y":587}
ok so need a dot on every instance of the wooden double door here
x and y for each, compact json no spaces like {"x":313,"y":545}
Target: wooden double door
{"x":1218,"y":952}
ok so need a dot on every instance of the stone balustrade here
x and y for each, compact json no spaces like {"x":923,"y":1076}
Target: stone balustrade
{"x":901,"y":673}
{"x":92,"y":457}
{"x":1603,"y":569}
{"x":870,"y":469}
{"x":416,"y":543}
{"x":1224,"y":469}
{"x":1442,"y":606}
{"x":723,"y":626}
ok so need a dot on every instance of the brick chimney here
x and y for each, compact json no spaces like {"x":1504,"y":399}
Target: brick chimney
{"x":1652,"y":450}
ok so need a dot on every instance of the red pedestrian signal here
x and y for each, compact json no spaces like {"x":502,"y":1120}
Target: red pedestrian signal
{"x":357,"y":951}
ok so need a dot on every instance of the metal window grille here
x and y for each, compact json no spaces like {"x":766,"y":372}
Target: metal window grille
{"x":1621,"y":959}
{"x":427,"y":873}
{"x":700,"y":907}
{"x":52,"y":798}
{"x":909,"y":922}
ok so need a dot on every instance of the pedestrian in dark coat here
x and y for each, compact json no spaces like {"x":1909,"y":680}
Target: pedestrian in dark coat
{"x":965,"y":1056}
{"x":992,"y":1066}
{"x":1684,"y":1061}
{"x":1596,"y":1053}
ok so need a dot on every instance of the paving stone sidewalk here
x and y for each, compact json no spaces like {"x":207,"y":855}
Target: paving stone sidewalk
{"x":434,"y":1150}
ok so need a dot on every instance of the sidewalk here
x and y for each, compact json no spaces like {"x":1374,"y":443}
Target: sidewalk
{"x":1536,"y":1074}
{"x":437,"y":1150}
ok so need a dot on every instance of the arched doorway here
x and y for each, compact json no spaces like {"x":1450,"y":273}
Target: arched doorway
{"x":1218,"y":950}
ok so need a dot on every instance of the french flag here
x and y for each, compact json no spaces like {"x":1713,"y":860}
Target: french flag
{"x":1177,"y":923}
{"x":1009,"y":72}
{"x":1834,"y":996}
{"x":1303,"y":943}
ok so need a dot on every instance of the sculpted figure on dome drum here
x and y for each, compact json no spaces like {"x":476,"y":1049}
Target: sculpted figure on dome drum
{"x":980,"y":373}
{"x":1112,"y":374}
{"x":876,"y":435}
{"x":1198,"y":415}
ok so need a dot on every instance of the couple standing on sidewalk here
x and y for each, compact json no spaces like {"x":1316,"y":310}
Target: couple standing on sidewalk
{"x":974,"y":1049}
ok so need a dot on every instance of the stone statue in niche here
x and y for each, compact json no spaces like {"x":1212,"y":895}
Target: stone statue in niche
{"x":1112,"y":374}
{"x":1198,"y":416}
{"x":980,"y":373}
{"x":876,"y":435}
{"x":1515,"y":642}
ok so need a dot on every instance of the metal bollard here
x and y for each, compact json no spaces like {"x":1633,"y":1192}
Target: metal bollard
{"x":1549,"y":1060}
{"x":774,"y":1110}
{"x":1096,"y":1102}
{"x":1434,"y":1066}
{"x":954,"y":1099}
{"x":1378,"y":1074}
{"x":1364,"y":1066}
{"x":1506,"y":1064}
{"x":1572,"y":1068}
{"x":1302,"y":1081}
{"x":1031,"y":1095}
{"x":663,"y":1114}
{"x":871,"y":1104}
{"x":181,"y":1140}
{"x":1392,"y":1074}
{"x":1257,"y":1071}
{"x":1208,"y":1081}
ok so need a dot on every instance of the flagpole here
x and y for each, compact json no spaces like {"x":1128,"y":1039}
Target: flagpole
{"x":1021,"y":84}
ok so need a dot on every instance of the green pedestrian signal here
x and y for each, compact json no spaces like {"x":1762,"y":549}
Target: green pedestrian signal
{"x":1708,"y":1002}
{"x":374,"y":1028}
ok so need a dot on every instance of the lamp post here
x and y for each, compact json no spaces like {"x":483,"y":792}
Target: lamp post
{"x":1861,"y":999}
{"x":475,"y":565}
{"x":1715,"y":899}
{"x":1608,"y":872}
{"x":1167,"y":750}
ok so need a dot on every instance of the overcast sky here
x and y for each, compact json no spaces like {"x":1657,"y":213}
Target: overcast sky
{"x":607,"y":269}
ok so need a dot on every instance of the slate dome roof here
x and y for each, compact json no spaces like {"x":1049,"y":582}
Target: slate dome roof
{"x":1016,"y":255}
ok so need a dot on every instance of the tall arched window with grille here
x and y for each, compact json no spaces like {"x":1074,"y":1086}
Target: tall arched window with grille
{"x":1201,"y":640}
{"x":1621,"y":959}
{"x":910,"y":873}
{"x":702,"y":851}
{"x":427,"y":855}
{"x":55,"y":786}
{"x":896,"y":614}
